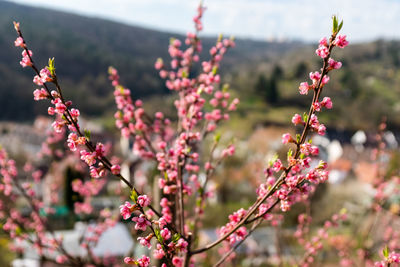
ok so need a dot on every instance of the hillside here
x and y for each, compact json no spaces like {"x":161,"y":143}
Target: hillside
{"x":364,"y":90}
{"x":84,"y":48}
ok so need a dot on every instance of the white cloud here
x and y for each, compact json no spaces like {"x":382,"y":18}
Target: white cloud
{"x":300,"y":19}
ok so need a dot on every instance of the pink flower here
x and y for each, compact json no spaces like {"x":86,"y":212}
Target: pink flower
{"x":19,"y":42}
{"x":159,"y":64}
{"x":394,"y":257}
{"x":115,"y":169}
{"x":129,"y":260}
{"x":177,"y":261}
{"x":286,"y":138}
{"x":159,"y":252}
{"x":40,"y":94}
{"x":45,"y":75}
{"x":144,"y":242}
{"x":141,"y":222}
{"x":277,"y":166}
{"x":303,"y":88}
{"x":315,"y":76}
{"x":57,"y":126}
{"x":60,"y":108}
{"x":74,"y":113}
{"x":297,"y":119}
{"x":321,"y":129}
{"x":126,"y":210}
{"x":316,"y":106}
{"x":341,"y":41}
{"x":323,"y":41}
{"x":326,"y":102}
{"x":322,"y":51}
{"x":334,"y":64}
{"x":144,"y":261}
{"x":325,"y":80}
{"x":143,"y":200}
{"x":61,"y":259}
{"x":26,"y":61}
{"x":165,"y":233}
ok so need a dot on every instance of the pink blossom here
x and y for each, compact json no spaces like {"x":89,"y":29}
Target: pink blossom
{"x":19,"y":42}
{"x":116,"y":169}
{"x":334,"y":64}
{"x":129,"y":260}
{"x":287,"y":138}
{"x":159,"y":252}
{"x":141,"y":222}
{"x":126,"y":210}
{"x":323,"y":41}
{"x":26,"y":61}
{"x":159,"y":64}
{"x":40,"y":94}
{"x":322,"y":51}
{"x":341,"y":41}
{"x":325,"y":80}
{"x":144,"y":242}
{"x":297,"y":119}
{"x":321,"y":129}
{"x":315,"y":76}
{"x":303,"y":88}
{"x":74,"y":113}
{"x":143,"y":200}
{"x":316,"y":106}
{"x":61,"y":259}
{"x":165,"y":234}
{"x":326,"y":102}
{"x":177,"y":261}
{"x":144,"y":261}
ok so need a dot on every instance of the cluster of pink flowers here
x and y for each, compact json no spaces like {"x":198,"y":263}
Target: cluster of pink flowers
{"x":315,"y":244}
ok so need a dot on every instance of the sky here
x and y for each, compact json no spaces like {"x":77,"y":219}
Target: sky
{"x":307,"y":20}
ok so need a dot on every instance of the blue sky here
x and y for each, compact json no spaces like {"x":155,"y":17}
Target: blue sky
{"x":260,"y":19}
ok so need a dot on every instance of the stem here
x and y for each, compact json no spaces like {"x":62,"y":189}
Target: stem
{"x":181,"y":209}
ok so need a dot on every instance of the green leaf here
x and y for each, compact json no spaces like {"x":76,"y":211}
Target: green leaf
{"x":158,"y":235}
{"x":18,"y":231}
{"x":273,"y":159}
{"x":220,"y":36}
{"x":198,"y":202}
{"x":214,"y":70}
{"x":184,"y":74}
{"x":176,"y":237}
{"x":335,"y":24}
{"x":290,"y":153}
{"x":87,"y":134}
{"x":217,"y":137}
{"x":134,"y":196}
{"x":340,"y":26}
{"x":51,"y":66}
{"x":385,"y":252}
{"x":298,"y":136}
{"x":225,"y":88}
{"x":305,"y":117}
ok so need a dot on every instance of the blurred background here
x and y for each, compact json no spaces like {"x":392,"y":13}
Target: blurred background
{"x":275,"y":44}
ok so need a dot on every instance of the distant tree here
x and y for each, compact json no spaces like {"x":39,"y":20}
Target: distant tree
{"x":268,"y":88}
{"x":350,"y":83}
{"x":271,"y":93}
{"x":300,"y":70}
{"x":70,"y":196}
{"x":277,"y":72}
